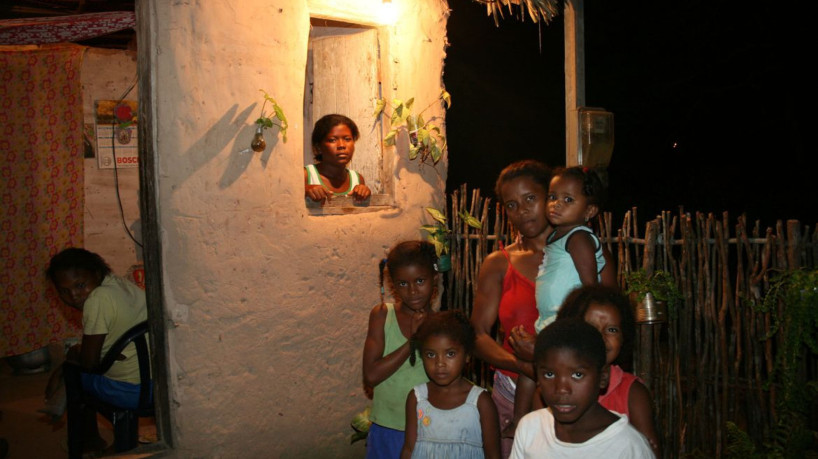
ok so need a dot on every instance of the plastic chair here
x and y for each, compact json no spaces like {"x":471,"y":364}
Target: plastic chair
{"x":126,"y":420}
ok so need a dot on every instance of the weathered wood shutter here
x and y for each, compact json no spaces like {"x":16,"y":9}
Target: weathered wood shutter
{"x":342,"y":77}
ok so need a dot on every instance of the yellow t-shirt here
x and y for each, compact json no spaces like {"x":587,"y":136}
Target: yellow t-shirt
{"x":112,"y":309}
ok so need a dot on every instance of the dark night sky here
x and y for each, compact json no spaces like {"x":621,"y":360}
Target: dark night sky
{"x":724,"y":81}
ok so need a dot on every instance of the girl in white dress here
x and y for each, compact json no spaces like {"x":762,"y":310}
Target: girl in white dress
{"x":448,"y":416}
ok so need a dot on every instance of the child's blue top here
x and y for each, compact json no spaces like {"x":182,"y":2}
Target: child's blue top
{"x":557,"y":275}
{"x":454,"y":433}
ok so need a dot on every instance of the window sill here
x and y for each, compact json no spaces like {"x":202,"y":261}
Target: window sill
{"x":345,"y":205}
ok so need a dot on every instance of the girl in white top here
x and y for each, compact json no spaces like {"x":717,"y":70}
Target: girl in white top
{"x":448,"y":417}
{"x":569,"y":357}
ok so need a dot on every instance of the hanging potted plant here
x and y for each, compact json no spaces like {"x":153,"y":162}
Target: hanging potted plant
{"x":426,"y":139}
{"x":654,"y":296}
{"x":266,"y":120}
{"x":439,"y":234}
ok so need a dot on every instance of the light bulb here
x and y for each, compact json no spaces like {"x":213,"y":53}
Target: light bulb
{"x":258,"y":144}
{"x":388,"y":14}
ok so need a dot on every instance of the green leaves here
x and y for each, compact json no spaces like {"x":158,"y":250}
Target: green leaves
{"x":389,"y":140}
{"x":413,"y":152}
{"x":380,"y":104}
{"x":278,"y":113}
{"x":436,"y":153}
{"x":440,"y":234}
{"x":360,"y":424}
{"x":265,"y":122}
{"x":471,"y":221}
{"x":447,"y":98}
{"x":791,"y":305}
{"x":432,"y":229}
{"x":437,"y":215}
{"x":441,"y":247}
{"x":426,"y":139}
{"x":661,"y":284}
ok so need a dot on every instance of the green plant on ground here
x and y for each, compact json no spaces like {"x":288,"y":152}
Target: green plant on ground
{"x":792,"y":302}
{"x":739,"y":444}
{"x":439,"y":234}
{"x":426,"y":139}
{"x":360,"y":425}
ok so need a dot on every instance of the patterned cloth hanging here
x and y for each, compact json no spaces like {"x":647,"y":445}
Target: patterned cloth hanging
{"x":41,"y":189}
{"x":61,"y":29}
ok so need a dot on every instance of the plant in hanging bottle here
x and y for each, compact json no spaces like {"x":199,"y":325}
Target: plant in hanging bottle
{"x":264,"y":121}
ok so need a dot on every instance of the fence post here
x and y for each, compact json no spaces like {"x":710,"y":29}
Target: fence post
{"x":644,"y":361}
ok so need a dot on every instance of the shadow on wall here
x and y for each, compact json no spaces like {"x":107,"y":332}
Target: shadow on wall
{"x":212,"y":142}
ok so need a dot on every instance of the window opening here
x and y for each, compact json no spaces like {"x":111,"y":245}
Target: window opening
{"x":343,"y":75}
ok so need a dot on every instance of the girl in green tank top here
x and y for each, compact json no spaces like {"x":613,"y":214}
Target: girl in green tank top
{"x":411,"y":266}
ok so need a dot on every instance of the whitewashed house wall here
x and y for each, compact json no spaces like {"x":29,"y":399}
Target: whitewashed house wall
{"x":266,"y":303}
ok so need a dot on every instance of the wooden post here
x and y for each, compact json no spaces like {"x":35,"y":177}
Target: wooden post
{"x":794,"y":243}
{"x":151,"y":233}
{"x":574,"y":42}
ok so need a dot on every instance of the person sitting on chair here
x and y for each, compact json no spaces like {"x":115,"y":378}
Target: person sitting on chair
{"x":110,"y":306}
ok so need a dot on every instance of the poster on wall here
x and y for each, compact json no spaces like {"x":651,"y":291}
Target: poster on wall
{"x":116,"y":133}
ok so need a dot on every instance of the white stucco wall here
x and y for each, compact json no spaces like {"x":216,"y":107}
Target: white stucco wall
{"x":107,"y":74}
{"x":267,"y":305}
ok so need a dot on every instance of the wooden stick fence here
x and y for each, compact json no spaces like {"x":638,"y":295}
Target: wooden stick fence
{"x":710,"y":362}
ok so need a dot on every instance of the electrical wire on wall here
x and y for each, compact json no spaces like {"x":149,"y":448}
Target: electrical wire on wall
{"x":114,"y":125}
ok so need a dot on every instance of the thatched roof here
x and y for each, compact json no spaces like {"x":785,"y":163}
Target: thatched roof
{"x":537,"y":10}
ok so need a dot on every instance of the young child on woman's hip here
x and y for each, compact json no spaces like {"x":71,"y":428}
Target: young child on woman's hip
{"x":572,"y":257}
{"x":573,"y":253}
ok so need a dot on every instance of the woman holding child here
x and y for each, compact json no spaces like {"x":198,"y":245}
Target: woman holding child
{"x":506,"y":285}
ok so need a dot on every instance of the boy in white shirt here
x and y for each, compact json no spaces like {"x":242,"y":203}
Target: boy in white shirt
{"x":569,"y":356}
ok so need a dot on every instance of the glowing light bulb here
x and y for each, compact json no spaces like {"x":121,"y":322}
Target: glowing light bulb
{"x":388,"y":14}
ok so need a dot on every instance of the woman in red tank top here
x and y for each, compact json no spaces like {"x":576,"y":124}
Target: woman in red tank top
{"x":505,"y":285}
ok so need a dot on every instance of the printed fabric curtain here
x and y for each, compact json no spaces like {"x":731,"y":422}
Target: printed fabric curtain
{"x":41,"y":165}
{"x":62,"y":29}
